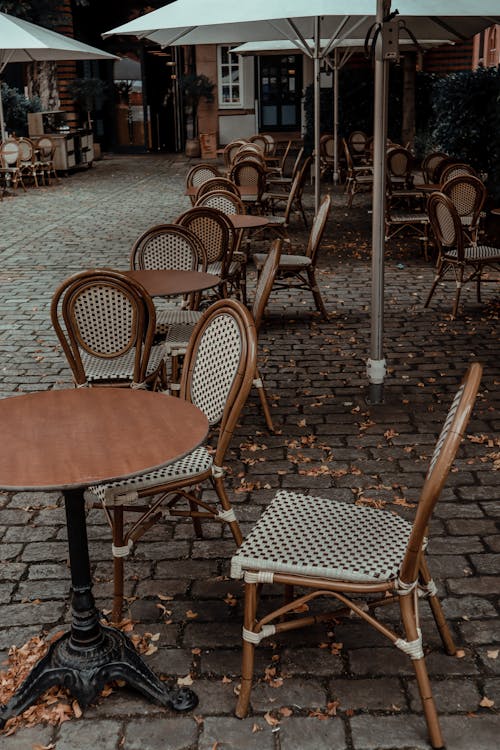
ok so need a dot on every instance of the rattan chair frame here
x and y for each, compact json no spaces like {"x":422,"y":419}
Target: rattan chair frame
{"x":76,"y":314}
{"x":292,"y":201}
{"x":199,"y":174}
{"x":128,"y":497}
{"x":455,"y":255}
{"x":253,"y":174}
{"x":217,"y":183}
{"x":468,"y":194}
{"x":430,"y":163}
{"x":356,"y":176}
{"x":458,"y":169}
{"x":46,"y":148}
{"x":229,"y":152}
{"x":30,"y":166}
{"x":10,"y":164}
{"x":293,"y":272}
{"x":412,"y":577}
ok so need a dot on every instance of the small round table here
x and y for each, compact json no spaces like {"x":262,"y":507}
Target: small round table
{"x":164,"y":283}
{"x":68,"y":440}
{"x":247,"y":221}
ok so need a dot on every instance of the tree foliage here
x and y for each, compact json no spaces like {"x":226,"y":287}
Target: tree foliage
{"x":15,"y":109}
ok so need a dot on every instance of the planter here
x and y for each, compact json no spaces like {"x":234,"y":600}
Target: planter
{"x":192,"y":148}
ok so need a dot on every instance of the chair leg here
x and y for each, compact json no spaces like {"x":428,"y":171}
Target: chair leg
{"x":198,"y":530}
{"x":258,"y":383}
{"x":226,"y":505}
{"x":408,"y":614}
{"x":318,"y":299}
{"x":434,"y":284}
{"x":117,"y":517}
{"x":248,"y":651}
{"x":459,"y":283}
{"x":437,"y":612}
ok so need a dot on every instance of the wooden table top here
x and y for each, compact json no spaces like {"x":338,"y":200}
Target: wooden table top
{"x":247,"y":190}
{"x":248,"y":221}
{"x":495,"y":211}
{"x":72,"y":438}
{"x":427,"y":187}
{"x":168,"y":282}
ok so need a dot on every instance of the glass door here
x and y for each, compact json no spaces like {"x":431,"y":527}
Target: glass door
{"x":280,"y":89}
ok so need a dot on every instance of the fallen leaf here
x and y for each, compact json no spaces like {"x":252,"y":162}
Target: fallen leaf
{"x":492,"y":654}
{"x":285,"y":711}
{"x":271,"y":720}
{"x":185,"y":681}
{"x":486,"y":702}
{"x":256,"y":728}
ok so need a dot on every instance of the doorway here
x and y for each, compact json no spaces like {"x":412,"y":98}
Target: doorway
{"x":280,"y":91}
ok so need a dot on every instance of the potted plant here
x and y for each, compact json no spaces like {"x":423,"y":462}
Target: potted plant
{"x":87,"y":92}
{"x":194,"y":87}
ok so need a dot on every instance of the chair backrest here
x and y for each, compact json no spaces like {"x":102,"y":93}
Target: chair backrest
{"x":440,"y":464}
{"x":46,"y":148}
{"x":348,"y":157}
{"x":219,"y":367}
{"x":217,"y":183}
{"x":297,"y":187}
{"x":297,"y":162}
{"x":249,"y":154}
{"x":261,"y":141}
{"x":230,"y":150}
{"x":318,"y":229}
{"x":442,"y":166}
{"x":446,"y":225}
{"x":457,"y":170}
{"x":357,"y":142}
{"x":168,"y":246}
{"x":327,"y":146}
{"x":103,"y":314}
{"x":10,"y":152}
{"x":271,"y":144}
{"x":213,"y":229}
{"x":265,"y":282}
{"x":467,"y":194}
{"x":228,"y":203}
{"x":399,"y":162}
{"x":429,"y":164}
{"x":26,"y":150}
{"x":200,"y":173}
{"x":249,"y":173}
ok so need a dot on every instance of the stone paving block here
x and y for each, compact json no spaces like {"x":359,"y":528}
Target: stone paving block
{"x":316,"y":661}
{"x":312,"y":734}
{"x":235,"y":734}
{"x":389,"y":733}
{"x":463,"y":733}
{"x":101,"y":733}
{"x":294,"y":693}
{"x":27,"y":738}
{"x":161,"y":734}
{"x":450,"y":696}
{"x":374,"y":694}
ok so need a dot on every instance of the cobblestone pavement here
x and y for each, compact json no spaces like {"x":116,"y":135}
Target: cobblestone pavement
{"x":315,"y":371}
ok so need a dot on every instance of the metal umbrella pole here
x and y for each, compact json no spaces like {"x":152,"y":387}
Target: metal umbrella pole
{"x":376,"y":365}
{"x":317,"y":124}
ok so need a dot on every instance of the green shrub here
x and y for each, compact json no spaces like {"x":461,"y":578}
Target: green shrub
{"x":15,"y":109}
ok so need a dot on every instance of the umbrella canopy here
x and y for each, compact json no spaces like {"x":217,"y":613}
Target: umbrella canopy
{"x":22,"y":41}
{"x":192,"y":22}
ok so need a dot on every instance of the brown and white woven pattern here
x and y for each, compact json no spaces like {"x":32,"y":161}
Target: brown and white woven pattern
{"x":286,"y":261}
{"x":318,"y":226}
{"x":118,"y":368}
{"x":202,"y":175}
{"x":168,"y":250}
{"x":222,"y":202}
{"x":213,"y":376}
{"x":446,"y":224}
{"x":477,"y":252}
{"x":106,"y":320}
{"x":196,"y":463}
{"x":212,"y":233}
{"x":320,"y":537}
{"x":445,"y":430}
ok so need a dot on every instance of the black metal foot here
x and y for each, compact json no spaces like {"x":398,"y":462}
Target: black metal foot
{"x":85,"y":670}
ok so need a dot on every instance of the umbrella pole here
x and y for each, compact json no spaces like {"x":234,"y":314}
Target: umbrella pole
{"x":2,"y":121}
{"x":317,"y":124}
{"x":376,"y":368}
{"x":336,"y":116}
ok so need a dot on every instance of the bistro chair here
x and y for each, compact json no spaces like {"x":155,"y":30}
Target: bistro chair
{"x":277,"y":180}
{"x":356,"y":176}
{"x":406,"y":218}
{"x":216,"y":183}
{"x":217,"y":376}
{"x":430,"y":164}
{"x":252,"y":174}
{"x":106,"y":324}
{"x":46,"y":149}
{"x":170,"y":246}
{"x":468,"y":194}
{"x":299,"y":271}
{"x":30,"y":165}
{"x":465,"y":261}
{"x":358,"y":143}
{"x":230,"y":151}
{"x":292,"y":201}
{"x":400,"y":163}
{"x":10,"y":164}
{"x":327,"y":154}
{"x":342,"y":551}
{"x":199,"y":174}
{"x":457,"y":170}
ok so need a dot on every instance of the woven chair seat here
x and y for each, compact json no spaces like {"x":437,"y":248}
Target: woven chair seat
{"x":177,"y":339}
{"x":167,"y":318}
{"x":216,"y":268}
{"x":401,"y":217}
{"x":118,"y":368}
{"x":319,"y":537}
{"x":194,"y":465}
{"x":477,"y":252}
{"x":286,"y":261}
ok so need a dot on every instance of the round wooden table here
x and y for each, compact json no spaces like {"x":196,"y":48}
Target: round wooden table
{"x":68,"y":440}
{"x":165,"y":283}
{"x":247,"y":221}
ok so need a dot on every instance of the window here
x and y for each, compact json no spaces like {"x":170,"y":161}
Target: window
{"x":230,"y":77}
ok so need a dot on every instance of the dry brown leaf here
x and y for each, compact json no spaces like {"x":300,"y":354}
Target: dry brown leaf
{"x":493,"y":654}
{"x":460,"y":653}
{"x":185,"y":681}
{"x":191,"y":615}
{"x":226,"y":680}
{"x":486,"y":702}
{"x":256,"y":728}
{"x":271,"y":720}
{"x":285,"y":711}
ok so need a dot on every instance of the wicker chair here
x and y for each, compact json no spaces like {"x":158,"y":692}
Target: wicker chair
{"x":250,"y":173}
{"x":299,"y":271}
{"x":199,"y":174}
{"x":230,"y":150}
{"x":218,"y":373}
{"x":31,"y":166}
{"x":430,"y":164}
{"x":216,"y":183}
{"x":357,"y":143}
{"x":170,"y":246}
{"x":106,"y":323}
{"x":356,"y":176}
{"x":405,"y":218}
{"x":46,"y":148}
{"x":10,"y":164}
{"x":457,"y":170}
{"x":468,"y":195}
{"x":327,"y":154}
{"x":339,"y":550}
{"x":292,"y":201}
{"x":280,"y":180}
{"x":455,"y":253}
{"x":400,"y":163}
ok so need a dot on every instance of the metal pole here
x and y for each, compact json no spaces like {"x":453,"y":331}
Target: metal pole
{"x":376,"y":368}
{"x":336,"y":116}
{"x":317,"y":124}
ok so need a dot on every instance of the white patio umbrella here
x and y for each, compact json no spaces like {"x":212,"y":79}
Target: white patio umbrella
{"x":192,"y":22}
{"x":22,"y":41}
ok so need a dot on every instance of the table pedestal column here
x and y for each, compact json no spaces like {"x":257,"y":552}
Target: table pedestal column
{"x":90,"y":654}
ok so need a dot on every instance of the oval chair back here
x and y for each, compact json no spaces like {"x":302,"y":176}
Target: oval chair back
{"x":168,"y":246}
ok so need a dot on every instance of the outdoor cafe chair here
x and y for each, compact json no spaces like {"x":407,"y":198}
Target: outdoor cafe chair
{"x":327,"y":154}
{"x":170,"y":247}
{"x":10,"y":164}
{"x":337,"y":550}
{"x":292,"y":202}
{"x":468,"y":194}
{"x":106,"y":324}
{"x":430,"y":164}
{"x":216,"y":183}
{"x":277,"y":179}
{"x":356,"y":176}
{"x":31,"y":166}
{"x":458,"y":169}
{"x":217,"y":376}
{"x":299,"y":271}
{"x":400,"y":163}
{"x":252,"y":174}
{"x":405,"y":218}
{"x":465,"y":261}
{"x":358,"y":143}
{"x":230,"y":150}
{"x":46,"y":150}
{"x":199,"y":174}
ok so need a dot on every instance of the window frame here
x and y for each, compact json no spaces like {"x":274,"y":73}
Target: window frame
{"x":238,"y":64}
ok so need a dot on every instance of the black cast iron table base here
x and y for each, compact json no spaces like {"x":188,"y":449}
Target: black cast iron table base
{"x":90,"y":654}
